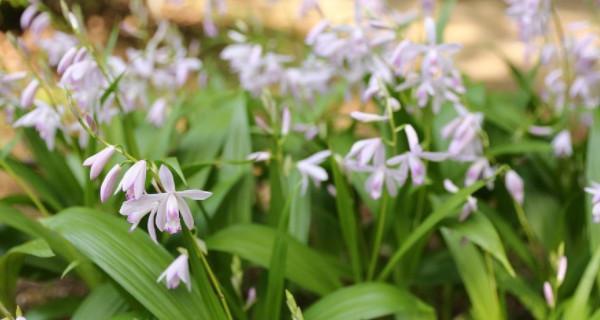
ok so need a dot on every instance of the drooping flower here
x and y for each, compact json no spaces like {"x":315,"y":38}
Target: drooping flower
{"x":29,"y":93}
{"x":157,"y":113}
{"x":177,"y":272}
{"x":562,"y":144}
{"x":514,"y":185}
{"x":479,"y":169}
{"x":166,"y":208}
{"x":98,"y":161}
{"x":367,"y":117}
{"x":561,"y":270}
{"x":413,"y":157}
{"x":309,"y":169}
{"x":549,"y":294}
{"x":134,"y":180}
{"x":363,"y":151}
{"x":108,"y":184}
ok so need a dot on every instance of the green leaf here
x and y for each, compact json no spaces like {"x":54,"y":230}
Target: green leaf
{"x":300,"y":213}
{"x":132,"y":260}
{"x":529,"y":298}
{"x":520,"y":147}
{"x":369,"y":301}
{"x":592,"y":174}
{"x":480,"y":284}
{"x":346,"y":215}
{"x":443,"y":211}
{"x":59,"y":245}
{"x":10,"y":265}
{"x":481,"y":232}
{"x":578,"y":307}
{"x":102,"y":303}
{"x":304,"y":266}
{"x":443,"y":19}
{"x":55,"y":169}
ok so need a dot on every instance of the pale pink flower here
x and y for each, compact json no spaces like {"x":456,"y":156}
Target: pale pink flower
{"x":165,"y":208}
{"x":413,"y":157}
{"x":479,"y":169}
{"x":368,"y":117}
{"x":29,"y":93}
{"x":464,"y":133}
{"x":540,"y":131}
{"x":514,"y":185}
{"x":363,"y":151}
{"x":44,"y":119}
{"x":176,"y":272}
{"x":562,"y":144}
{"x":98,"y":161}
{"x":549,"y":294}
{"x":309,"y":168}
{"x":157,"y":113}
{"x":108,"y":185}
{"x":134,"y":180}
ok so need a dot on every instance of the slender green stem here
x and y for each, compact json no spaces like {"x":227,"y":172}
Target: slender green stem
{"x":215,"y":282}
{"x":5,"y":312}
{"x":524,"y":222}
{"x":378,"y":235}
{"x":34,"y":198}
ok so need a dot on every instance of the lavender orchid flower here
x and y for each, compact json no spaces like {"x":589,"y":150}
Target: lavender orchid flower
{"x":44,"y":119}
{"x":309,"y":169}
{"x":108,"y":184}
{"x":134,"y":181}
{"x":562,"y":144}
{"x":165,"y":208}
{"x":413,"y":157}
{"x":98,"y":161}
{"x":177,"y":272}
{"x":514,"y":185}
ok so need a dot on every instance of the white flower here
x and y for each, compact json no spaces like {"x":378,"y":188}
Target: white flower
{"x":562,"y":144}
{"x":309,"y":168}
{"x":413,"y":157}
{"x":176,"y":272}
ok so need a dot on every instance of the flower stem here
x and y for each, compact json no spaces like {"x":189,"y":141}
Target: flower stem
{"x":215,"y":283}
{"x":378,"y":235}
{"x":5,"y":312}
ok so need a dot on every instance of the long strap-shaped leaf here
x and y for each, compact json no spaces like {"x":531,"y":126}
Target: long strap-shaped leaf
{"x":578,"y":308}
{"x":480,"y":284}
{"x":448,"y":208}
{"x":369,"y":301}
{"x":304,"y":266}
{"x":134,"y":262}
{"x":59,"y":245}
